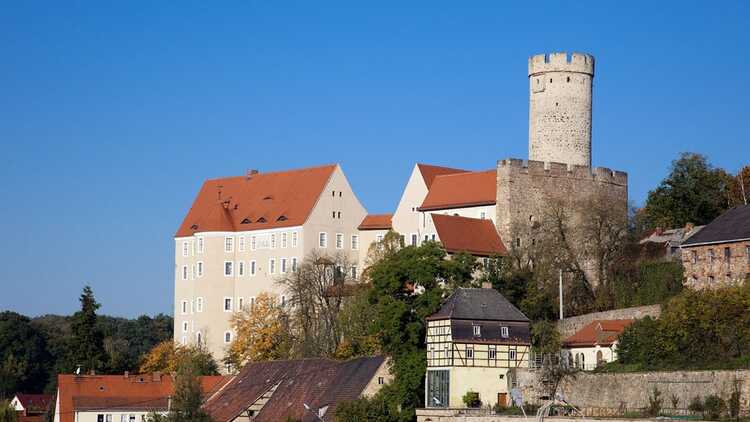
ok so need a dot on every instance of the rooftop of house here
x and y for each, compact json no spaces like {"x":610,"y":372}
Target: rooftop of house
{"x":429,"y":172}
{"x":459,"y":190}
{"x":733,"y":225}
{"x":478,"y":304}
{"x":599,"y":332}
{"x":672,"y":237}
{"x":256,"y":201}
{"x":132,"y":392}
{"x":376,"y":222}
{"x":34,"y":402}
{"x":292,"y":384}
{"x":462,"y":234}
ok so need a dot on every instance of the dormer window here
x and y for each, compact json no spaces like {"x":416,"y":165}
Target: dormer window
{"x":504,"y":332}
{"x":268,"y":198}
{"x":282,"y":218}
{"x":245,"y":221}
{"x":261,"y":220}
{"x":477,"y":330}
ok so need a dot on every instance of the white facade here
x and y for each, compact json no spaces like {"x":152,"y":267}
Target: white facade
{"x":588,"y":358}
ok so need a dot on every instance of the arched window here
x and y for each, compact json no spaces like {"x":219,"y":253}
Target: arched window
{"x":228,"y":337}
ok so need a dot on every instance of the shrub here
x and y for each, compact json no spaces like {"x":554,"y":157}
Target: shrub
{"x":654,"y":403}
{"x":471,"y":399}
{"x":696,"y":405}
{"x":713,"y":407}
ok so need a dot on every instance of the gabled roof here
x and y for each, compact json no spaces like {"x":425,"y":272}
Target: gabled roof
{"x":460,"y":190}
{"x":599,"y":332}
{"x":733,"y":225}
{"x":478,"y":304}
{"x":256,"y":201}
{"x":315,"y":382}
{"x":671,"y":237}
{"x":376,"y":222}
{"x":34,"y":402}
{"x":144,"y":392}
{"x":462,"y":234}
{"x":429,"y":172}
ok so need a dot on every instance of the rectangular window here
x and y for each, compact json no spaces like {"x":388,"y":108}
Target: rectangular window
{"x":283,"y":300}
{"x":512,"y":355}
{"x":333,"y":214}
{"x":240,"y":303}
{"x":227,"y":304}
{"x":477,"y":330}
{"x":200,"y":245}
{"x":695,"y":257}
{"x":183,"y":308}
{"x":283,"y":240}
{"x":339,"y":241}
{"x":273,"y":241}
{"x":426,"y":238}
{"x":504,"y":332}
{"x":253,"y":243}
{"x":492,"y":353}
{"x":294,"y":239}
{"x":184,"y":253}
{"x":228,"y":244}
{"x":252,"y":268}
{"x":228,"y":268}
{"x":241,"y":268}
{"x":381,"y":380}
{"x":252,"y":302}
{"x":283,"y":265}
{"x":354,"y":272}
{"x":242,"y":244}
{"x":469,"y":352}
{"x":185,"y":327}
{"x":199,"y":266}
{"x":747,"y":254}
{"x":727,"y":256}
{"x":711,"y":256}
{"x":414,"y":240}
{"x":323,"y":240}
{"x":271,"y":266}
{"x":184,"y":272}
{"x":482,"y":215}
{"x":199,"y":304}
{"x":100,"y":417}
{"x":192,"y":272}
{"x":294,"y":265}
{"x":710,"y":279}
{"x":131,"y":418}
{"x":438,"y":388}
{"x":434,"y":237}
{"x":355,"y":242}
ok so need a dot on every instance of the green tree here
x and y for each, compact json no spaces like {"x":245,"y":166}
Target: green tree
{"x":375,"y":409}
{"x":545,"y":338}
{"x":693,"y":192}
{"x":739,"y":188}
{"x":7,"y":412}
{"x":87,"y":343}
{"x":187,"y":400}
{"x":24,"y":360}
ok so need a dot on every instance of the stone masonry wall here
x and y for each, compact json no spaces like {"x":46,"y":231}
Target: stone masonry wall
{"x":703,"y":271}
{"x":569,"y":326}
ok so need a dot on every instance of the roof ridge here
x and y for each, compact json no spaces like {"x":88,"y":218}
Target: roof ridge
{"x":214,"y":179}
{"x":465,"y":173}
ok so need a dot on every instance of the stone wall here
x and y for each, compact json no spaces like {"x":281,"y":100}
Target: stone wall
{"x":464,"y":415}
{"x":706,"y":266}
{"x":568,"y":326}
{"x":613,"y":394}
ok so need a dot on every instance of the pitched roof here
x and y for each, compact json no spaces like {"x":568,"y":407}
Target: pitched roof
{"x":376,"y":222}
{"x":315,"y":382}
{"x":429,"y":172}
{"x":462,"y":234}
{"x":256,"y":201}
{"x":131,"y":392}
{"x":671,"y":237}
{"x":34,"y":402}
{"x":459,"y":190}
{"x":478,"y":304}
{"x":599,"y":332}
{"x":731,"y":226}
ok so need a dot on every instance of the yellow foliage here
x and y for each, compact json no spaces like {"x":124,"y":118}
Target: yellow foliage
{"x":260,"y":333}
{"x":167,"y":356}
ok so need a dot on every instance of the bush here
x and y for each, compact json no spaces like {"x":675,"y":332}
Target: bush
{"x":713,"y":407}
{"x":471,"y":399}
{"x":696,"y":405}
{"x":654,"y":403}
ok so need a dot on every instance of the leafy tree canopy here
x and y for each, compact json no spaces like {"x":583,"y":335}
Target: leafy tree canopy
{"x":169,"y":356}
{"x":23,"y":355}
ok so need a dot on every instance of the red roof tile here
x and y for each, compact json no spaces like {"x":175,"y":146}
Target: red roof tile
{"x":461,"y":190}
{"x":463,"y":234}
{"x":599,"y":332}
{"x":115,"y":389}
{"x":376,"y":222}
{"x":256,"y":201}
{"x":429,"y":172}
{"x":35,"y":402}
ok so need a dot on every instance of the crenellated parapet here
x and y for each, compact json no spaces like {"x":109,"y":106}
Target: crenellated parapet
{"x":515,"y":166}
{"x":561,"y":62}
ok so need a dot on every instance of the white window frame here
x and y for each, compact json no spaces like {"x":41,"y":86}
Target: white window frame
{"x":491,"y":352}
{"x":379,"y":238}
{"x":512,"y":355}
{"x":199,"y":269}
{"x":294,"y":239}
{"x":283,"y":240}
{"x":201,"y":245}
{"x":240,"y":268}
{"x":339,"y":240}
{"x":228,"y":244}
{"x":469,"y":351}
{"x":184,"y":340}
{"x":355,"y":242}
{"x":184,"y":307}
{"x":283,"y":266}
{"x":323,"y":240}
{"x":185,"y":326}
{"x":273,"y":241}
{"x":477,"y":330}
{"x":240,"y":303}
{"x":184,"y":248}
{"x":231,"y":268}
{"x":199,"y":304}
{"x":224,"y":304}
{"x":184,"y":272}
{"x":241,"y":245}
{"x":253,"y":243}
{"x":413,"y":239}
{"x":272,"y":266}
{"x":253,"y":268}
{"x":353,"y":272}
{"x":227,"y":334}
{"x":504,"y":332}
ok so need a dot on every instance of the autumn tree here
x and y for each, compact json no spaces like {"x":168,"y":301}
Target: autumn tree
{"x":167,"y":357}
{"x":262,"y":333}
{"x":386,"y":247}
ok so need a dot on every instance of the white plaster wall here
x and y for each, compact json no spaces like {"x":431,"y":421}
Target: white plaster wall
{"x":406,"y":219}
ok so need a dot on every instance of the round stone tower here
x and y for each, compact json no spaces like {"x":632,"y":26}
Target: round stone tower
{"x":560,"y":108}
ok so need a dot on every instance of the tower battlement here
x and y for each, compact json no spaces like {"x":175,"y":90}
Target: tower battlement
{"x":561,"y":62}
{"x":515,"y":166}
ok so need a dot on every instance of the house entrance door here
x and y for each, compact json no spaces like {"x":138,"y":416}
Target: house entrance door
{"x":502,"y":399}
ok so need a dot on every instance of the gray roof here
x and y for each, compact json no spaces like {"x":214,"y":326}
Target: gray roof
{"x":478,"y":304}
{"x":730,"y":226}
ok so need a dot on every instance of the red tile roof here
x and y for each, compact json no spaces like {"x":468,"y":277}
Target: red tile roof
{"x":256,"y":201}
{"x":599,"y":332}
{"x":35,"y":402}
{"x":461,"y":190}
{"x":131,"y":391}
{"x":429,"y":172}
{"x":376,"y":222}
{"x":463,"y":234}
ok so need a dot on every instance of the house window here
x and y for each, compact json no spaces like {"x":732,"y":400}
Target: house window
{"x":242,"y":244}
{"x":469,"y":352}
{"x":512,"y":355}
{"x":381,"y":380}
{"x":198,"y":337}
{"x":323,"y":240}
{"x":199,"y":266}
{"x":727,"y":256}
{"x":504,"y":332}
{"x":199,"y":304}
{"x":482,"y":215}
{"x":414,"y":239}
{"x":283,"y":300}
{"x":184,"y":253}
{"x":747,"y":254}
{"x":252,"y":268}
{"x":253,"y":243}
{"x":492,"y":353}
{"x":228,"y":244}
{"x":426,"y":237}
{"x":252,"y":302}
{"x":333,"y":214}
{"x":433,"y":237}
{"x":695,"y":257}
{"x":227,"y":304}
{"x":355,"y":242}
{"x":183,"y":308}
{"x":339,"y":241}
{"x":379,"y":238}
{"x":283,"y":240}
{"x":183,"y":340}
{"x":273,"y":241}
{"x":710,"y":279}
{"x":477,"y":330}
{"x":200,"y":245}
{"x":271,"y":266}
{"x":227,"y":337}
{"x":294,"y":265}
{"x":228,"y":268}
{"x":711,"y":256}
{"x":241,"y":268}
{"x":283,"y":265}
{"x":294,"y":239}
{"x":518,"y":242}
{"x":354,"y":272}
{"x":184,"y":326}
{"x":240,"y":303}
{"x":100,"y":417}
{"x":184,"y":272}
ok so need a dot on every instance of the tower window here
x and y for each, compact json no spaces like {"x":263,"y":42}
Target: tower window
{"x":550,"y":80}
{"x":568,"y":78}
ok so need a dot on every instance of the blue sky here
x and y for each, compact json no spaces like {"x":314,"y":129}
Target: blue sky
{"x":113,"y":113}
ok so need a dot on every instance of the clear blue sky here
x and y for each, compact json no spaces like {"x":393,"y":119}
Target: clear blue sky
{"x":113,"y":113}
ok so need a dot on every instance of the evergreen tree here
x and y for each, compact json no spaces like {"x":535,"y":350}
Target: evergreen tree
{"x":87,"y":346}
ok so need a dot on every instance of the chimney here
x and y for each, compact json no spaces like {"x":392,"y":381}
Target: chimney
{"x":156,"y":377}
{"x":486,"y":285}
{"x":251,"y":173}
{"x":127,"y":374}
{"x":689,"y":227}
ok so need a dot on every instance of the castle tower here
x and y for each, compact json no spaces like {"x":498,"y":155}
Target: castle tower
{"x":560,"y":108}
